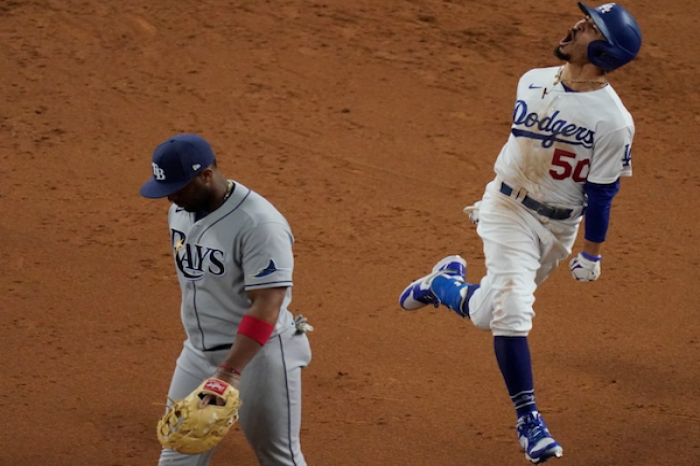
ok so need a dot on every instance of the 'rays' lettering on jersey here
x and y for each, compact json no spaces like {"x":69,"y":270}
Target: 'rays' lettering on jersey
{"x":551,"y":128}
{"x":194,"y":260}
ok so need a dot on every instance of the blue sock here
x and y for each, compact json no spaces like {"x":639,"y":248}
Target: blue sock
{"x":513,"y":356}
{"x":453,"y":293}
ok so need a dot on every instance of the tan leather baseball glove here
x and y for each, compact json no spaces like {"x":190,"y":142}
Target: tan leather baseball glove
{"x":189,"y":428}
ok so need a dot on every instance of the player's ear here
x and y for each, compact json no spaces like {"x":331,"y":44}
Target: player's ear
{"x":207,"y":175}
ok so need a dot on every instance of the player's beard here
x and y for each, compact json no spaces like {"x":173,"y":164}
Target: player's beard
{"x":198,"y":204}
{"x":561,"y":55}
{"x":188,"y":207}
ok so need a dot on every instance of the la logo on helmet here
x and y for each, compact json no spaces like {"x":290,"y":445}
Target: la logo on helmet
{"x":606,"y":8}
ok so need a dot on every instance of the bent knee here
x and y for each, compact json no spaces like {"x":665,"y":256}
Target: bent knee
{"x":481,"y":320}
{"x":509,"y":314}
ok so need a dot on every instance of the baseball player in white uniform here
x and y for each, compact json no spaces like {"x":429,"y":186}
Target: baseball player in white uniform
{"x":570,"y":144}
{"x":233,"y":256}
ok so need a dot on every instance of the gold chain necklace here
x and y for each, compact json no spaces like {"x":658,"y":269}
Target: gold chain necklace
{"x":558,"y":80}
{"x":229,"y":190}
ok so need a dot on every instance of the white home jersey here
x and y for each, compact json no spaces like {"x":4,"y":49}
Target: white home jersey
{"x":559,"y":139}
{"x":246,"y":244}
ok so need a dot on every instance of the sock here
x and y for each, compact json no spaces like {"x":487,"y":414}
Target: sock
{"x":453,"y":293}
{"x":513,"y":356}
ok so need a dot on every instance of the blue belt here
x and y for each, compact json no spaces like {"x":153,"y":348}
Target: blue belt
{"x":538,"y":207}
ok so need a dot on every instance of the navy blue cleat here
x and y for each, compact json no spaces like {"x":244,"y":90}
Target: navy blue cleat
{"x":535,"y":439}
{"x":418,"y":293}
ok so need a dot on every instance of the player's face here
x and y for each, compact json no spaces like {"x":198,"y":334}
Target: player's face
{"x":573,"y":48}
{"x":196,"y":196}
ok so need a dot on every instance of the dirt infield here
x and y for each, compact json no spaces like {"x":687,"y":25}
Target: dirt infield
{"x":370,"y":124}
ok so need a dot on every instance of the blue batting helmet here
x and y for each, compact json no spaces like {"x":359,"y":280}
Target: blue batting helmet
{"x":623,"y":38}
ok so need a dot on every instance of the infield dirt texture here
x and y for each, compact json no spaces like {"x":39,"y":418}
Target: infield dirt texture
{"x":370,"y":124}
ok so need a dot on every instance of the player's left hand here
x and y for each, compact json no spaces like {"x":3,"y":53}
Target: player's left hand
{"x":224,"y":376}
{"x":229,"y":378}
{"x":585,"y":268}
{"x":192,"y":428}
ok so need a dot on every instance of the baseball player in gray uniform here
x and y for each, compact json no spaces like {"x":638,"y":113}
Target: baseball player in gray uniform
{"x":233,"y":256}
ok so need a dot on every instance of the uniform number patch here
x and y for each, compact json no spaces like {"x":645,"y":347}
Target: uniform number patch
{"x":565,"y":166}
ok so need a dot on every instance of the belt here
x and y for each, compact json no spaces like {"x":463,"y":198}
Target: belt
{"x":218,"y":348}
{"x":538,"y":207}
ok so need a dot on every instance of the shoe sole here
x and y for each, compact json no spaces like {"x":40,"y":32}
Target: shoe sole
{"x":556,"y":452}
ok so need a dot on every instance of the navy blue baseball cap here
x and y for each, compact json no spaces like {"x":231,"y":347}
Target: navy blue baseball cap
{"x":176,"y":162}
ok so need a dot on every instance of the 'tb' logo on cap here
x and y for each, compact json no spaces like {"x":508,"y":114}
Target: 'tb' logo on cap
{"x":158,"y":172}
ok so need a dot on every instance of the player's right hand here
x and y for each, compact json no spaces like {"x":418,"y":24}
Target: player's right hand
{"x":585,"y":268}
{"x":473,"y":212}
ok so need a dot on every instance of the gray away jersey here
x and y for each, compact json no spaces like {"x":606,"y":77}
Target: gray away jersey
{"x":246,"y":244}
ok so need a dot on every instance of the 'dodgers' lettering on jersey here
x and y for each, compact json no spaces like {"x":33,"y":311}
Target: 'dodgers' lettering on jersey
{"x":194,"y":260}
{"x":551,"y":128}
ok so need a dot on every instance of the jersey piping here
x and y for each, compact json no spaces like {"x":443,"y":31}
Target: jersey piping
{"x":194,"y":284}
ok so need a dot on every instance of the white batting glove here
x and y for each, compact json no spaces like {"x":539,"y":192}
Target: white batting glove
{"x":585,"y":268}
{"x":473,"y":212}
{"x":302,"y":324}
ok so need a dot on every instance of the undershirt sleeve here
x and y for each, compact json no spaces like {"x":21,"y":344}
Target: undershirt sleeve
{"x":600,"y":197}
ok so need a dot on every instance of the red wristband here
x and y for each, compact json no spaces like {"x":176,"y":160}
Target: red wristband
{"x":256,"y":329}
